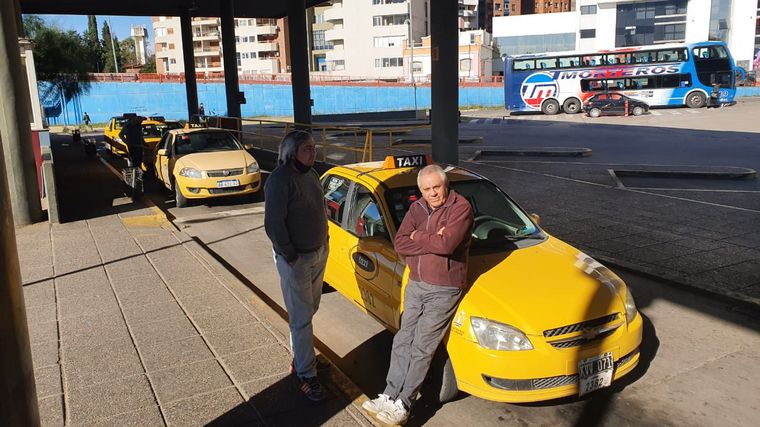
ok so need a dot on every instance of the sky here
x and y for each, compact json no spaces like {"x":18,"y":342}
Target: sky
{"x":120,"y":25}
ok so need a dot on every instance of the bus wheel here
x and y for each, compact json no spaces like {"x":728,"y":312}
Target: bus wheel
{"x":637,"y":111}
{"x":572,"y":106}
{"x":550,"y":106}
{"x":696,"y":100}
{"x":595,"y":112}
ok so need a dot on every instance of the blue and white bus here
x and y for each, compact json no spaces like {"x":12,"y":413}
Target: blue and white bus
{"x":660,"y":75}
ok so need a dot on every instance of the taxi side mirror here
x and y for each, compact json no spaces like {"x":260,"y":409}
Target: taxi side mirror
{"x":536,"y":218}
{"x":161,"y":152}
{"x":248,"y":147}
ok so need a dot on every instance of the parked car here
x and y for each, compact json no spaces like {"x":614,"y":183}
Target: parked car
{"x":540,"y":319}
{"x":202,"y":163}
{"x":614,"y":104}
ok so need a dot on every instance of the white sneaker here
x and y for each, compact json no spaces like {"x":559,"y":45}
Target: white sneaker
{"x":382,"y":403}
{"x":396,"y":415}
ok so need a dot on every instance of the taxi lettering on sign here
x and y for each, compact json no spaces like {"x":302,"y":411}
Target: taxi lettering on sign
{"x":409,"y":161}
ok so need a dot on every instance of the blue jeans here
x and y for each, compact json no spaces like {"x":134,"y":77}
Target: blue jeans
{"x":301,"y":285}
{"x":428,"y":310}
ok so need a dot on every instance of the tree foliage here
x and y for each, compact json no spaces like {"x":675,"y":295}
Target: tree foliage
{"x":111,"y":51}
{"x":59,"y":56}
{"x":150,"y":65}
{"x":128,"y":55}
{"x":92,"y":42}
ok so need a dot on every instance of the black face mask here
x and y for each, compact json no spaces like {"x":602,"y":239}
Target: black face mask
{"x":300,"y":167}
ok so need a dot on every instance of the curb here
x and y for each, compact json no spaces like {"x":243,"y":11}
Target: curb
{"x":538,"y":152}
{"x":733,"y":173}
{"x":425,"y":141}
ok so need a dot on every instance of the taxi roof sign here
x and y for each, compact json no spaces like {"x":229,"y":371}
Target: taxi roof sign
{"x":407,"y":161}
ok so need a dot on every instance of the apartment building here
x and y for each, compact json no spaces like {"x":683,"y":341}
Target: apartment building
{"x":260,"y":44}
{"x":551,"y":6}
{"x":367,"y":37}
{"x":476,"y":57}
{"x":607,"y":24}
{"x":318,"y":45}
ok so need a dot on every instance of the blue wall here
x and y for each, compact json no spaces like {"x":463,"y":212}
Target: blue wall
{"x":104,"y":100}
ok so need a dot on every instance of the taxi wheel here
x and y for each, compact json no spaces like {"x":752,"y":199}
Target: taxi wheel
{"x":449,"y":389}
{"x":179,"y":198}
{"x":594,"y":112}
{"x":637,"y":111}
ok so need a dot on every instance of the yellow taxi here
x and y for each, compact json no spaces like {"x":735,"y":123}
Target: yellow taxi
{"x":539,"y":320}
{"x":152,"y":131}
{"x":202,"y":163}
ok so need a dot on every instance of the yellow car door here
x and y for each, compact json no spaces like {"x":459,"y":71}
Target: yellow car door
{"x":375,"y":265}
{"x":163,"y":155}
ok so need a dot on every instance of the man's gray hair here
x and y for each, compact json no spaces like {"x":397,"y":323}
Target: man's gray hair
{"x":430,"y":169}
{"x":289,"y":145}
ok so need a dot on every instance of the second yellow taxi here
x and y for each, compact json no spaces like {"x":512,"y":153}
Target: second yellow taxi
{"x":202,"y":163}
{"x":540,"y":319}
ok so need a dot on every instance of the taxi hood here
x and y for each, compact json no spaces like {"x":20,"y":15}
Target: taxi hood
{"x":215,"y":160}
{"x":537,"y":288}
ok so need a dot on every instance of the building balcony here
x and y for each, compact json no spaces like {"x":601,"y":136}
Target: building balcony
{"x":209,"y":35}
{"x":337,"y":33}
{"x":206,"y":52}
{"x":467,"y":13}
{"x":469,"y":2}
{"x":334,"y":14}
{"x":266,"y":29}
{"x":265,"y":47}
{"x":337,"y":53}
{"x":205,"y":21}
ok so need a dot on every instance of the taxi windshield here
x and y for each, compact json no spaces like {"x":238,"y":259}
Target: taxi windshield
{"x":203,"y":142}
{"x":154,"y":130}
{"x":498,"y":220}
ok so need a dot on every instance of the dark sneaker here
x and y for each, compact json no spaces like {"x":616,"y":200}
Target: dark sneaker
{"x":312,"y":388}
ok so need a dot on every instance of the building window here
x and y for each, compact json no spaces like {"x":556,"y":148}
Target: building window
{"x":389,"y":41}
{"x":172,"y":61}
{"x":638,"y":24}
{"x":588,"y":10}
{"x":238,"y":55}
{"x":161,"y":32}
{"x":387,"y":1}
{"x":318,"y":41}
{"x":497,"y":6}
{"x":337,"y":65}
{"x":516,"y":45}
{"x":417,"y":67}
{"x":588,"y":34}
{"x":720,"y":20}
{"x":388,"y":62}
{"x":385,"y":20}
{"x":465,"y":64}
{"x":319,"y":18}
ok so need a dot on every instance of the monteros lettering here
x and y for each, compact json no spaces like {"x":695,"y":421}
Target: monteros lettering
{"x":610,"y":73}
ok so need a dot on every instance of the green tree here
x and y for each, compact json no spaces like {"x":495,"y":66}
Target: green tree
{"x":111,"y":50}
{"x":150,"y":65}
{"x":91,"y":41}
{"x":58,"y":56}
{"x":128,"y":55}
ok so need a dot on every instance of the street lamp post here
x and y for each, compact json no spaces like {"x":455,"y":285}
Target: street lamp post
{"x":410,"y":41}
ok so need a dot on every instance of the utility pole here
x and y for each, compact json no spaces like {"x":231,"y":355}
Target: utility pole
{"x":113,"y":47}
{"x":16,"y":134}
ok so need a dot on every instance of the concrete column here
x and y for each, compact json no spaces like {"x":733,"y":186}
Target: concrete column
{"x":444,"y":38}
{"x":299,"y":61}
{"x":188,"y":57}
{"x":18,"y":395}
{"x":232,"y":88}
{"x":14,"y":122}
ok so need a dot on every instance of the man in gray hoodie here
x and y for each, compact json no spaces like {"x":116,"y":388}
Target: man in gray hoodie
{"x":296,"y":223}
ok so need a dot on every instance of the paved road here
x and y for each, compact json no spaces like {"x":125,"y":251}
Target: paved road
{"x":698,"y":357}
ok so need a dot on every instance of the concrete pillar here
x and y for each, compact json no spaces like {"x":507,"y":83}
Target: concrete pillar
{"x":188,"y":57}
{"x":231,"y":86}
{"x":299,"y":61}
{"x":18,"y":395}
{"x":14,"y":122}
{"x":444,"y":38}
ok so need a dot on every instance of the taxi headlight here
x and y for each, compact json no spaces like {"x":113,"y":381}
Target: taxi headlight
{"x":630,"y":306}
{"x":498,"y":336}
{"x":190,"y":173}
{"x":252,"y":168}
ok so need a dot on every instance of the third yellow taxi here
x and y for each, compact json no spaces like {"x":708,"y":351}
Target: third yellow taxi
{"x":202,"y":163}
{"x":540,"y":319}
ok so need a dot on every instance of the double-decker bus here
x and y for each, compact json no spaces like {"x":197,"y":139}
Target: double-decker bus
{"x":660,"y":75}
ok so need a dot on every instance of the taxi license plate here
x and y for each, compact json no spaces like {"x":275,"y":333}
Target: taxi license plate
{"x":227,"y":183}
{"x":595,"y":373}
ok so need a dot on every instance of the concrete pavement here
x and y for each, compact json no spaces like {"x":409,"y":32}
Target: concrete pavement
{"x":132,"y":323}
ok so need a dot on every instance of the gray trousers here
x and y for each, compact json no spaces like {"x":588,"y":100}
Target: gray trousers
{"x":428,"y":310}
{"x":301,"y":286}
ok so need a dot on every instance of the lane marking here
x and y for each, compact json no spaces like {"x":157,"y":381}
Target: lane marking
{"x":615,"y":178}
{"x":705,"y":190}
{"x":655,"y":113}
{"x":221,"y":214}
{"x":692,"y":111}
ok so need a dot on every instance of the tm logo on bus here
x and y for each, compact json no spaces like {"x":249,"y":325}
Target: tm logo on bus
{"x":536,"y":88}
